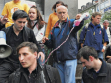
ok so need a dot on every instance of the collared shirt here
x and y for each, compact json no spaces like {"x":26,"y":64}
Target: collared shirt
{"x":94,"y":73}
{"x":31,"y":78}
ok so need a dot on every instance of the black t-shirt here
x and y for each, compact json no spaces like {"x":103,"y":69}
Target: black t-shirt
{"x":14,"y":42}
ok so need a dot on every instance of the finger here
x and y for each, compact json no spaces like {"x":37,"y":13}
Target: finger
{"x":42,"y":58}
{"x":38,"y":56}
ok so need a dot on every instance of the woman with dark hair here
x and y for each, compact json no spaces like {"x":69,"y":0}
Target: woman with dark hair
{"x":37,"y":24}
{"x":53,"y":18}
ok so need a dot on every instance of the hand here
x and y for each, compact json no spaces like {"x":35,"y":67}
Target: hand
{"x":102,"y":50}
{"x":4,"y":20}
{"x":42,"y":56}
{"x":78,"y":16}
{"x":44,"y":39}
{"x":108,"y":56}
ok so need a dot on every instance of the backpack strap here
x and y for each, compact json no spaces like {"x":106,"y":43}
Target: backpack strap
{"x":86,"y":27}
{"x":50,"y":73}
{"x":102,"y":33}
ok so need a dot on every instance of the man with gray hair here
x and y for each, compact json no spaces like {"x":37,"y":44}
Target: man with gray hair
{"x":106,"y":24}
{"x":65,"y":56}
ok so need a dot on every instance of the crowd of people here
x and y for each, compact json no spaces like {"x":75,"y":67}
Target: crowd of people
{"x":27,"y":34}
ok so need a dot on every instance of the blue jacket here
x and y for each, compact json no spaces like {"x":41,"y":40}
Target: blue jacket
{"x":95,"y":41}
{"x":68,"y":50}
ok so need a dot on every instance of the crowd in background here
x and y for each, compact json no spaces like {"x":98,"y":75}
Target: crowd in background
{"x":29,"y":36}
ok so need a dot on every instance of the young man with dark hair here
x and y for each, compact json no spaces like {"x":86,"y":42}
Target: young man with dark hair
{"x":97,"y":70}
{"x":30,"y":70}
{"x":15,"y":35}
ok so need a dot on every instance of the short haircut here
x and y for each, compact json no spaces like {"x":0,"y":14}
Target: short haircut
{"x":19,"y":14}
{"x":105,"y":21}
{"x":95,"y":14}
{"x":87,"y":51}
{"x":32,"y":47}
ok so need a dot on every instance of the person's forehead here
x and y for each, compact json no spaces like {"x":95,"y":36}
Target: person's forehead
{"x":21,"y":19}
{"x":61,"y":8}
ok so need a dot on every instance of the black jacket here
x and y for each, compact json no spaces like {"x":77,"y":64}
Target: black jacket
{"x":45,"y":74}
{"x":28,"y":36}
{"x":2,"y":26}
{"x":104,"y":75}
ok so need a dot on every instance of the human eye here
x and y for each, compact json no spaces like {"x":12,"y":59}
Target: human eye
{"x":20,"y":21}
{"x":24,"y":54}
{"x":59,"y":12}
{"x":24,"y":22}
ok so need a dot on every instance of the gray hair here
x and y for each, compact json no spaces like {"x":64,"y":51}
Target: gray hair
{"x":63,"y":7}
{"x":105,"y":21}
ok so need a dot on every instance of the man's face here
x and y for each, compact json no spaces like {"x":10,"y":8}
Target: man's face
{"x":85,"y":63}
{"x":19,"y":23}
{"x":96,"y":20}
{"x":27,"y":58}
{"x":106,"y":24}
{"x":62,"y":13}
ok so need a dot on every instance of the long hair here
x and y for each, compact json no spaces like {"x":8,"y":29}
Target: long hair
{"x":39,"y":19}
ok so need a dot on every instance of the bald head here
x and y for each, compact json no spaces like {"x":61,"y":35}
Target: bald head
{"x":61,"y":6}
{"x":62,"y":13}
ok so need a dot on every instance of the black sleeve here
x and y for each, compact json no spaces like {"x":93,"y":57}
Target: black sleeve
{"x":107,"y":53}
{"x":11,"y":77}
{"x":2,"y":26}
{"x":76,"y":28}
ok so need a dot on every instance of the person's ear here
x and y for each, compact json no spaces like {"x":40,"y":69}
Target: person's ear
{"x":35,"y":54}
{"x":91,"y":58}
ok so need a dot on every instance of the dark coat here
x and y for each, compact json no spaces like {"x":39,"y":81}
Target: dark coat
{"x":2,"y":26}
{"x":69,"y":49}
{"x":28,"y":35}
{"x":45,"y":74}
{"x":104,"y":75}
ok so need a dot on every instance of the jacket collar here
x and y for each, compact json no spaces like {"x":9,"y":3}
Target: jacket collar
{"x":38,"y":68}
{"x":99,"y":26}
{"x":102,"y":72}
{"x":57,"y":23}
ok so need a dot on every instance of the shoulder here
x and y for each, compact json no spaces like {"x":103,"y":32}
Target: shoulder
{"x":8,"y":3}
{"x":49,"y":68}
{"x":15,"y":76}
{"x":108,"y":65}
{"x":6,"y":29}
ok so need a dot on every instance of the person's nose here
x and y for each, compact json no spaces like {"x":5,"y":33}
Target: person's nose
{"x":21,"y":58}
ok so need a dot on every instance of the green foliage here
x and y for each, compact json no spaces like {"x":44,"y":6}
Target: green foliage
{"x":106,"y":16}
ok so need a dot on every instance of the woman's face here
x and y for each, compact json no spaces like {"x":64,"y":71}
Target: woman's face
{"x":32,"y":14}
